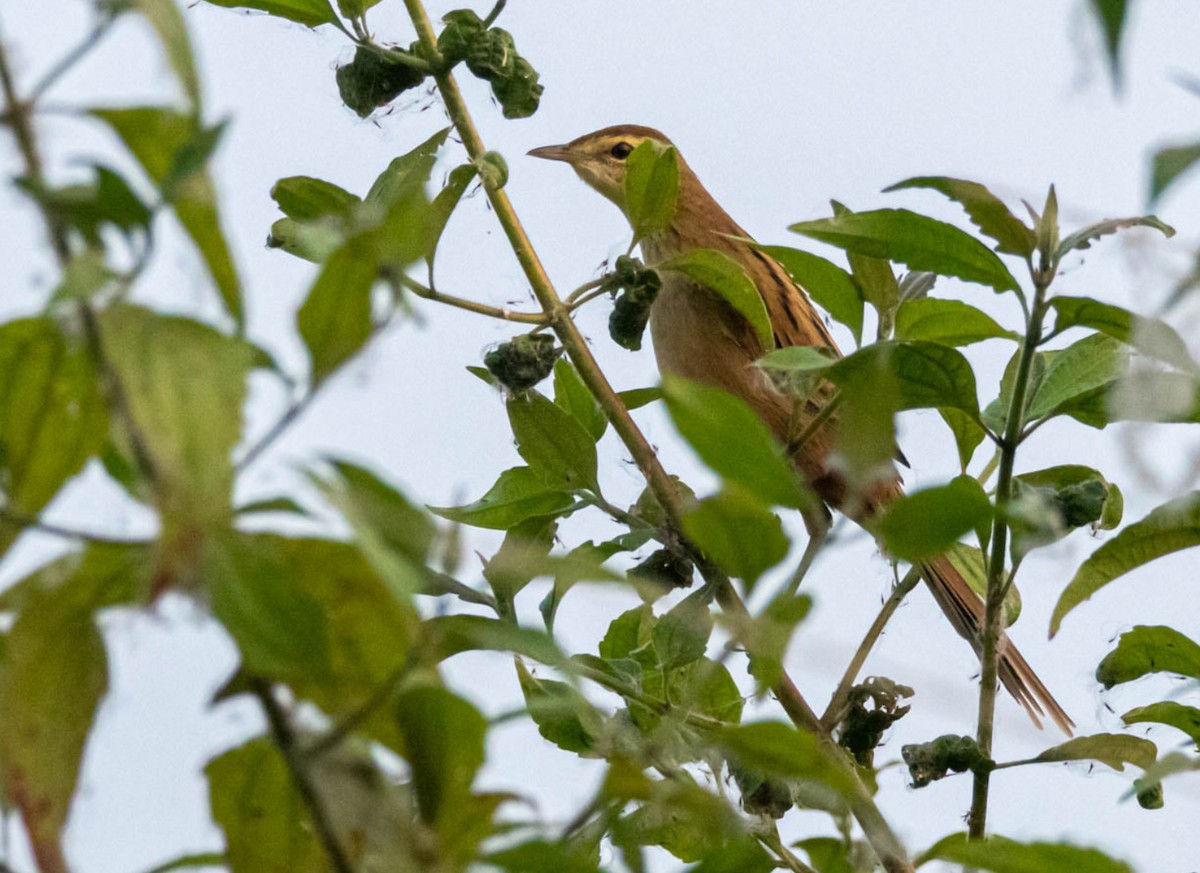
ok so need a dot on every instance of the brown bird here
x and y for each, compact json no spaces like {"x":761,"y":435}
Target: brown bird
{"x":699,"y":336}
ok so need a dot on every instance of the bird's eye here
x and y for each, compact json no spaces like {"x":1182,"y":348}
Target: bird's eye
{"x":621,"y":151}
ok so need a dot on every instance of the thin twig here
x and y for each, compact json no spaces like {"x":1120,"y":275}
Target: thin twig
{"x":70,"y":59}
{"x":294,"y":759}
{"x":469,"y":305}
{"x":774,"y":842}
{"x":12,"y":519}
{"x":337,"y":734}
{"x":833,"y":712}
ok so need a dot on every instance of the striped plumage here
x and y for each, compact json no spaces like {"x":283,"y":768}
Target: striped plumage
{"x":699,"y":336}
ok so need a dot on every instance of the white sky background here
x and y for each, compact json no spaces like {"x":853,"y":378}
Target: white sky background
{"x":778,"y":107}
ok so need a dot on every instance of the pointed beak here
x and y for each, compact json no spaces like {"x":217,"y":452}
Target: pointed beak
{"x":553,"y":153}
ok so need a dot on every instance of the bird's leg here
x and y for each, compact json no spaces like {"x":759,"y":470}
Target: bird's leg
{"x":817,"y":520}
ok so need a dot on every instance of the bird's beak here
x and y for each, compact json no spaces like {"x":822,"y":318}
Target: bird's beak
{"x":554,"y":153}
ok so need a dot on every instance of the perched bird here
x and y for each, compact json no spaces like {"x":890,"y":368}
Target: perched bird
{"x":699,"y":336}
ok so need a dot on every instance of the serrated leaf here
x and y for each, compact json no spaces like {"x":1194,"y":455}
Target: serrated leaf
{"x":737,"y":531}
{"x":985,"y":209}
{"x":1149,"y":649}
{"x":1082,"y":239}
{"x":1169,"y":164}
{"x":1113,"y":750}
{"x":950,"y":322}
{"x":518,"y":494}
{"x":651,"y":187}
{"x":553,"y":443}
{"x":724,"y":276}
{"x":1002,"y":855}
{"x":1150,"y":336}
{"x":833,"y":289}
{"x":928,"y":522}
{"x":1168,"y":712}
{"x":733,"y":441}
{"x":310,"y":13}
{"x":158,"y":138}
{"x":1169,"y":528}
{"x":917,"y":241}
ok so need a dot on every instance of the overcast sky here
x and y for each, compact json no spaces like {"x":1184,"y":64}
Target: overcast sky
{"x":778,"y":107}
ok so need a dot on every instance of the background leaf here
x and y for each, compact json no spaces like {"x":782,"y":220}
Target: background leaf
{"x":928,"y":522}
{"x":1001,"y":855}
{"x":738,"y":532}
{"x":1114,"y":750}
{"x":985,"y":209}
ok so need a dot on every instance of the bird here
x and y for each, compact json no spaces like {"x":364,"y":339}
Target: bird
{"x":697,"y":335}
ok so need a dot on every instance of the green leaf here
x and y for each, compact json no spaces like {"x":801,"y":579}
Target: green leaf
{"x":738,"y":532}
{"x":636,"y":398}
{"x":444,"y":735}
{"x":101,"y":576}
{"x":915,"y":374}
{"x":833,"y":289}
{"x":1150,"y":336}
{"x":1111,"y":16}
{"x":1001,"y":855}
{"x":335,"y":319}
{"x":777,"y":749}
{"x":184,"y":862}
{"x":254,"y":801}
{"x":928,"y":522}
{"x":1049,"y":504}
{"x":950,"y":322}
{"x":562,"y":715}
{"x":311,"y":13}
{"x":280,"y":630}
{"x":445,"y":636}
{"x":985,"y":209}
{"x":651,"y":188}
{"x":681,"y":635}
{"x":272,"y":504}
{"x":585,"y":561}
{"x":394,"y":534}
{"x":1082,"y":239}
{"x":917,"y":241}
{"x":968,"y":561}
{"x":407,"y":173}
{"x":1169,"y":164}
{"x":1080,"y":368}
{"x":186,"y":426}
{"x":725,"y":276}
{"x":573,"y":395}
{"x":554,"y":444}
{"x":733,"y":441}
{"x":1168,"y":712}
{"x":1114,"y":750}
{"x":1149,"y":649}
{"x":307,"y":199}
{"x":445,"y":203}
{"x":161,"y":139}
{"x":705,"y":687}
{"x":518,"y":494}
{"x":1169,"y":528}
{"x":968,"y":433}
{"x":52,"y":677}
{"x":52,"y":415}
{"x":165,"y":18}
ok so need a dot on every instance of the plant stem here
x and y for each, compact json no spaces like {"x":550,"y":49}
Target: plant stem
{"x":774,"y":842}
{"x":994,"y":602}
{"x":875,"y":828}
{"x":469,"y":305}
{"x":833,"y":713}
{"x":293,"y":757}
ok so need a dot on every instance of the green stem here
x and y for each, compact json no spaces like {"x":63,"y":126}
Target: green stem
{"x":874,"y":826}
{"x":469,"y":305}
{"x":993,"y":628}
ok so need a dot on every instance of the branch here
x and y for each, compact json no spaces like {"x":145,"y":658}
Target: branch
{"x":463,"y":303}
{"x":876,"y":829}
{"x":285,"y":740}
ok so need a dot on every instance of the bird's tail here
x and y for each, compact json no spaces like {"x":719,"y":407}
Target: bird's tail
{"x":965,"y":611}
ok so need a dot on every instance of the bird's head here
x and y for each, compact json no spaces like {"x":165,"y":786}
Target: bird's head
{"x":599,"y":158}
